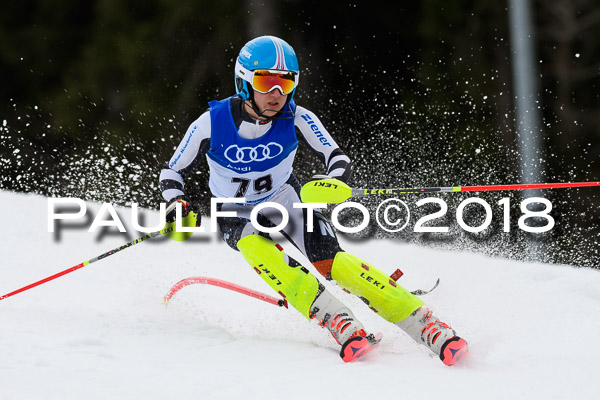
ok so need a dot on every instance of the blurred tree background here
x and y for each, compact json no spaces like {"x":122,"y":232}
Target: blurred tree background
{"x":96,"y":95}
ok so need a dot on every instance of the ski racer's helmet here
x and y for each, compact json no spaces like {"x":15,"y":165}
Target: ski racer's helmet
{"x":265,"y":64}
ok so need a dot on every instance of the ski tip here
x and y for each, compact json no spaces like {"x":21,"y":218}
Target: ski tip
{"x":358,"y":346}
{"x":453,"y":350}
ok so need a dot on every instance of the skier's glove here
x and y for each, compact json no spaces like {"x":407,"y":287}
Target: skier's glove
{"x":189,"y":218}
{"x":186,"y":208}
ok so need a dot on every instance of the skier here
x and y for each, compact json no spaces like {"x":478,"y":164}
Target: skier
{"x":249,"y":141}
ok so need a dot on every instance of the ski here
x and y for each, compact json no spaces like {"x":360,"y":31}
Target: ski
{"x":358,"y":346}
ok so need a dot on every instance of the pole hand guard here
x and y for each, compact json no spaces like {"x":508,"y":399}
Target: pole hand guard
{"x":328,"y":190}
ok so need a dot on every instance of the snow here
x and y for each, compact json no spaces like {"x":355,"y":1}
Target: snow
{"x":102,"y":331}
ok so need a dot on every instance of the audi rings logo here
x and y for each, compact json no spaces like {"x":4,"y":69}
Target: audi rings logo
{"x":246,"y":155}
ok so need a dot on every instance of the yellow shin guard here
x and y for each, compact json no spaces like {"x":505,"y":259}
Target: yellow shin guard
{"x":390,"y":300}
{"x":296,"y":284}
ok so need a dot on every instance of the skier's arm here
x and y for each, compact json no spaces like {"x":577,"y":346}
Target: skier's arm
{"x":189,"y":154}
{"x":311,"y":131}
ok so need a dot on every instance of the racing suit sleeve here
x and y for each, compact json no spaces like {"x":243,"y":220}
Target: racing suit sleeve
{"x":190,"y":152}
{"x":311,"y":131}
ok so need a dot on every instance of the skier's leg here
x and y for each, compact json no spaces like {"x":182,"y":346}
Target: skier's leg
{"x":395,"y":304}
{"x":383,"y":295}
{"x":293,"y":282}
{"x":301,"y":289}
{"x":306,"y":294}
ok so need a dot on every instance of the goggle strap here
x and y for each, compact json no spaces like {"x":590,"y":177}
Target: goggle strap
{"x":243,"y":73}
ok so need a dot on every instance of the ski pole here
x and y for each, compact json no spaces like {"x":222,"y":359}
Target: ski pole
{"x":334,"y":191}
{"x":169,"y":230}
{"x":226,"y":285}
{"x":83,"y":264}
{"x":485,"y":188}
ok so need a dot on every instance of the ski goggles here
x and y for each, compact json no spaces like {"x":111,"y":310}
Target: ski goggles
{"x":266,"y":80}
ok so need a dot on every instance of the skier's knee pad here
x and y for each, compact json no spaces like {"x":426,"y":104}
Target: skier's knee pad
{"x":390,"y":300}
{"x":295,"y":283}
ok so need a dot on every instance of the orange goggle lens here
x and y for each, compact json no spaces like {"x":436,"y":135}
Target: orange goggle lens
{"x":265,"y":81}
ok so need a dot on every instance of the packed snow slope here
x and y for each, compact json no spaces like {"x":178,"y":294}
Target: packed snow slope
{"x":102,"y":331}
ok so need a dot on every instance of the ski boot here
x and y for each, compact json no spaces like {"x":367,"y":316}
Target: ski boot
{"x":438,"y":336}
{"x":397,"y":305}
{"x":341,"y":323}
{"x":307,"y":295}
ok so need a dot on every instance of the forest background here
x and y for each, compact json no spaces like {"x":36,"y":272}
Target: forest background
{"x":96,"y":95}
